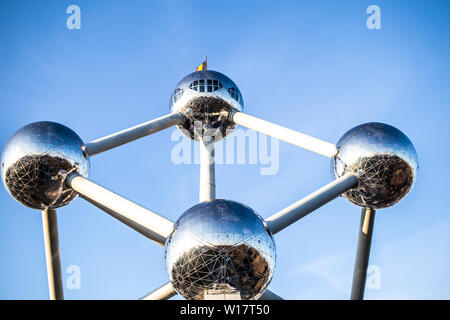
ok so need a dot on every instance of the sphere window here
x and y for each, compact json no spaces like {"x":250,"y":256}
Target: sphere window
{"x":198,"y":85}
{"x":213,"y":85}
{"x":234,"y":93}
{"x":176,"y":95}
{"x":209,"y":86}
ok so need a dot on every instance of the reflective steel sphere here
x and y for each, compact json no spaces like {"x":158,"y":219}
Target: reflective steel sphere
{"x":220,"y":249}
{"x":201,"y":97}
{"x":384,"y":160}
{"x":36,"y":160}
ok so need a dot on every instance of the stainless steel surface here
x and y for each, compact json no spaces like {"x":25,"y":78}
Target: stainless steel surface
{"x":164,"y":292}
{"x":207,"y":190}
{"x":36,"y":161}
{"x":269,"y":295}
{"x":201,"y":97}
{"x":298,"y":210}
{"x":52,"y":256}
{"x":220,"y":247}
{"x":362,"y":253}
{"x":287,"y":135}
{"x":145,"y":221}
{"x":384,"y":160}
{"x":128,"y":135}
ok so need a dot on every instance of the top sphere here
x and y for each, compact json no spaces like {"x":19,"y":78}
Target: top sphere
{"x":201,"y":97}
{"x":36,"y":161}
{"x":220,"y":249}
{"x":384,"y":160}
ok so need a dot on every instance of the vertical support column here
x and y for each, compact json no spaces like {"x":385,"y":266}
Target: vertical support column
{"x":207,"y":170}
{"x":51,"y":241}
{"x":362,"y":253}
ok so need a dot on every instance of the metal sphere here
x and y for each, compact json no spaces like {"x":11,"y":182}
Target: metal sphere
{"x":36,"y":161}
{"x":201,"y":97}
{"x":384,"y":160}
{"x":220,"y":249}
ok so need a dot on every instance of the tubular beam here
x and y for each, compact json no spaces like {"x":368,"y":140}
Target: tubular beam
{"x":164,"y":292}
{"x":148,"y":223}
{"x":269,"y":295}
{"x":290,"y":136}
{"x":52,"y":257}
{"x":119,"y":138}
{"x":362,"y":253}
{"x":207,"y":170}
{"x":298,"y":210}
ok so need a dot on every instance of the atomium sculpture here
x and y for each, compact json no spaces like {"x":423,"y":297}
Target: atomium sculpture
{"x":218,"y":249}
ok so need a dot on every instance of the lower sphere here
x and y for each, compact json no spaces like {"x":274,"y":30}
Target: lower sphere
{"x":220,"y":249}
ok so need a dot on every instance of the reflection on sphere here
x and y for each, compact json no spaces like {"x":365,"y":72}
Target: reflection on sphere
{"x":220,"y":248}
{"x":384,"y":160}
{"x":36,"y":161}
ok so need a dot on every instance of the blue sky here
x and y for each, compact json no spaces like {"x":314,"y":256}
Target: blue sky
{"x":312,"y":66}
